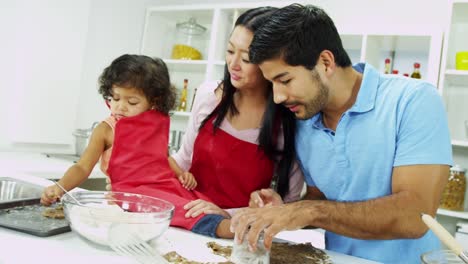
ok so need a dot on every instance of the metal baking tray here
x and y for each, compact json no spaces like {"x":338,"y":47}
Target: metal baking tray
{"x":20,"y":209}
{"x":27,"y":217}
{"x":13,"y":189}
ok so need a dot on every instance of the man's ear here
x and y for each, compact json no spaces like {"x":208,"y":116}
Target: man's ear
{"x":328,"y":60}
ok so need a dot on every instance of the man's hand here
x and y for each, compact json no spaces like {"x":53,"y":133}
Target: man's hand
{"x":270,"y":219}
{"x":264,"y":197}
{"x":187,"y":180}
{"x":51,"y":195}
{"x":198,"y":207}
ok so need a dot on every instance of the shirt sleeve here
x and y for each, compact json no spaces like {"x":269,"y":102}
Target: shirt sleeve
{"x":202,"y":106}
{"x":423,"y":136}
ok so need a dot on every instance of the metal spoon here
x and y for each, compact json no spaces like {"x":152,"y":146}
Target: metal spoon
{"x":67,"y":193}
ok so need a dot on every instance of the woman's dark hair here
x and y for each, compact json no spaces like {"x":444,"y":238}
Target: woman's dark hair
{"x":150,"y":75}
{"x":298,"y":34}
{"x":276,"y":117}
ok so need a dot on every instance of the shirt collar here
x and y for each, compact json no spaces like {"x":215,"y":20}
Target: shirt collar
{"x":366,"y":97}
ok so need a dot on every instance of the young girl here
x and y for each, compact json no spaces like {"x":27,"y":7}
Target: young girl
{"x":132,"y":142}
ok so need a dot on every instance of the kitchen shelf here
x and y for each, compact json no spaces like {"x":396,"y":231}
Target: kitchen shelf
{"x":187,"y":66}
{"x":405,"y":45}
{"x":460,"y":143}
{"x":404,"y":50}
{"x":456,"y":77}
{"x":186,"y":62}
{"x":456,"y":214}
{"x":453,"y":84}
{"x":180,"y":114}
{"x":456,"y":72}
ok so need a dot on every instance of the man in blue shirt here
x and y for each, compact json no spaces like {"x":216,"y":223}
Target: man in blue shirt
{"x":375,"y":149}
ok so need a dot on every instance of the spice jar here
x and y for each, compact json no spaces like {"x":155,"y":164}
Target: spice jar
{"x":453,"y":196}
{"x":189,"y":41}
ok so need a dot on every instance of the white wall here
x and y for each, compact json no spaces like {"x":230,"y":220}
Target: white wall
{"x":41,"y":53}
{"x":115,"y":28}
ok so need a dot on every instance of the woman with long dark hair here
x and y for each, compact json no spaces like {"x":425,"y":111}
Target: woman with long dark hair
{"x":237,"y":140}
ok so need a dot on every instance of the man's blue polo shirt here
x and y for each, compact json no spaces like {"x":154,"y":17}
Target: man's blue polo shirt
{"x":395,"y":121}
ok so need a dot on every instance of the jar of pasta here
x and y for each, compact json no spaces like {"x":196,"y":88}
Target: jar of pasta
{"x":189,"y":41}
{"x":453,"y":196}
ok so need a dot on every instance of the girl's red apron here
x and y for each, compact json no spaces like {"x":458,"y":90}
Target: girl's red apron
{"x":227,"y":169}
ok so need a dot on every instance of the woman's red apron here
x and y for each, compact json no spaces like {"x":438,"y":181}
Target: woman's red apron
{"x":228,"y":169}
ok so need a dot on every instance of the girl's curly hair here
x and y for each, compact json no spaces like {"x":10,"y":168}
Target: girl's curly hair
{"x":150,"y":75}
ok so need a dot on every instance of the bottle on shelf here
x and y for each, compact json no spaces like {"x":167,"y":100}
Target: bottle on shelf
{"x":416,"y":74}
{"x":453,"y":196}
{"x":387,"y":66}
{"x":183,"y":98}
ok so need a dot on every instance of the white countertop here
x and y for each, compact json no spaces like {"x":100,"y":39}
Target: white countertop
{"x":38,"y":164}
{"x":17,"y":247}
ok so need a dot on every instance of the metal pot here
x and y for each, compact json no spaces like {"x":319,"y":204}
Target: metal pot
{"x":82,"y":138}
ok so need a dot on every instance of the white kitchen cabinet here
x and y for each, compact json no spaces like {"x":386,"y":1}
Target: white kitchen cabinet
{"x":364,"y":44}
{"x":454,"y":83}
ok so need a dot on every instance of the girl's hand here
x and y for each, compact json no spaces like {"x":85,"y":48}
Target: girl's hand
{"x":198,"y":207}
{"x":108,"y":184}
{"x":51,"y":195}
{"x":187,"y":180}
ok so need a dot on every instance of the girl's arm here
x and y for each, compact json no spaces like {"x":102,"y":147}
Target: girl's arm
{"x":98,"y":143}
{"x":100,"y":140}
{"x":174,"y":166}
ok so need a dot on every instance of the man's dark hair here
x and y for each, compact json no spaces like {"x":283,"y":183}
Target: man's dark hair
{"x":298,"y":34}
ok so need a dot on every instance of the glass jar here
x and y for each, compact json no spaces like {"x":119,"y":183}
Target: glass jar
{"x":440,"y":256}
{"x":241,"y":253}
{"x":189,"y":41}
{"x":453,"y":196}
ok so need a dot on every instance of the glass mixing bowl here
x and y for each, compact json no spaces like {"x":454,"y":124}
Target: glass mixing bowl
{"x":99,"y":214}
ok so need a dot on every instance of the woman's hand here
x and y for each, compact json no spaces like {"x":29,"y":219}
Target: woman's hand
{"x":108,"y":184}
{"x":51,"y":195}
{"x":264,"y":197}
{"x":198,"y":207}
{"x":187,"y":180}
